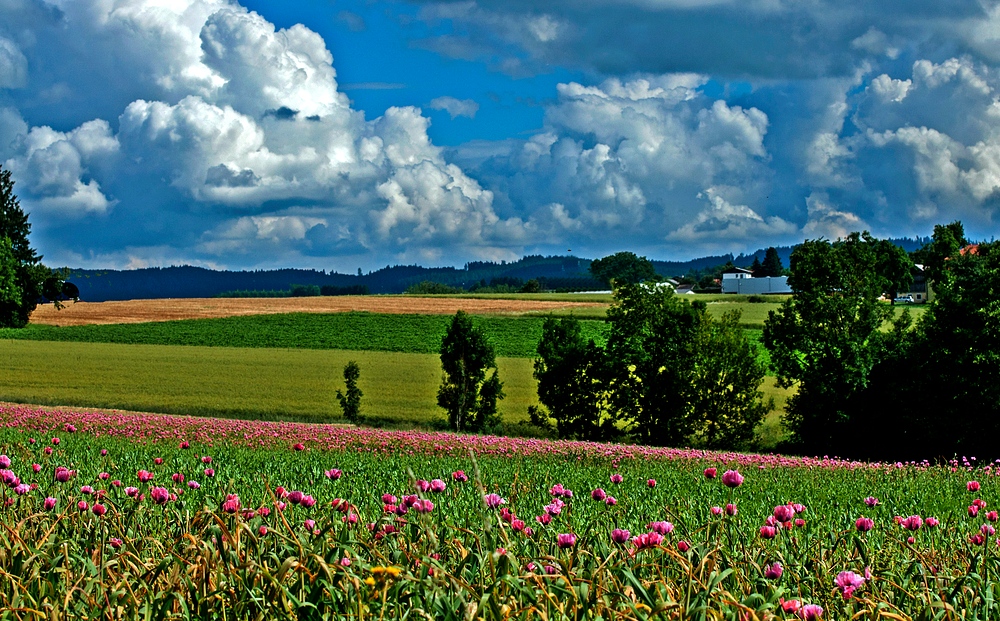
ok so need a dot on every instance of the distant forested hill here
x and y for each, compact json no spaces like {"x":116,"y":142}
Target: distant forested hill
{"x":554,"y":272}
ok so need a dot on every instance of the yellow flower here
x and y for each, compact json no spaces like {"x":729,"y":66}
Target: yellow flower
{"x":383,"y":572}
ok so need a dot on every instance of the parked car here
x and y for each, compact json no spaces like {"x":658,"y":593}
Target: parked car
{"x":904,"y":299}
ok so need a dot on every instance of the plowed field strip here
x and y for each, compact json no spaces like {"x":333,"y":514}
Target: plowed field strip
{"x":140,"y":311}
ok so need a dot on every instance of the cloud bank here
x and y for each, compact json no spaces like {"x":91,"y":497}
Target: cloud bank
{"x":198,"y":132}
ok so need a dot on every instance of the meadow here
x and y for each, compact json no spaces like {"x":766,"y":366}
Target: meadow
{"x":125,"y":517}
{"x":400,"y":389}
{"x":283,"y":366}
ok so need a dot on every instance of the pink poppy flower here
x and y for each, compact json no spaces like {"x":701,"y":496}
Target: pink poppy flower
{"x":616,"y":478}
{"x":459,"y":476}
{"x":710,"y":473}
{"x":333,"y":474}
{"x":773,"y":571}
{"x":848,"y":582}
{"x":438,"y":486}
{"x":730,"y":509}
{"x":50,"y":503}
{"x":598,"y":494}
{"x":912,"y":523}
{"x":784,"y":513}
{"x":732,"y":478}
{"x":231,"y":504}
{"x":651,"y":483}
{"x":811,"y":612}
{"x":566,"y":540}
{"x":972,"y":486}
{"x":864,"y":524}
{"x":160,"y":495}
{"x":683,"y":546}
{"x":620,"y":536}
{"x":493,"y":500}
{"x":663,"y":528}
{"x":647,"y":540}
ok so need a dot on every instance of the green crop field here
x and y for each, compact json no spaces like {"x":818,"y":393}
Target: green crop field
{"x":400,"y":389}
{"x":263,"y":384}
{"x":511,"y":336}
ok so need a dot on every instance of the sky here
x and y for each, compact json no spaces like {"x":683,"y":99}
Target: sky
{"x":347,"y":134}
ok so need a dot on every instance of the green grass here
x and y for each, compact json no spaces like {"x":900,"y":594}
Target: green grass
{"x":252,"y":383}
{"x":400,"y":389}
{"x":511,"y":336}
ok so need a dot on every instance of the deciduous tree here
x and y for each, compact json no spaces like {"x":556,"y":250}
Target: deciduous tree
{"x":825,"y":339}
{"x":678,"y":377}
{"x":622,"y":268}
{"x":572,"y":383}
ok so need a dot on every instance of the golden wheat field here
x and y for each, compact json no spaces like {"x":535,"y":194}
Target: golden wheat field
{"x":139,"y":311}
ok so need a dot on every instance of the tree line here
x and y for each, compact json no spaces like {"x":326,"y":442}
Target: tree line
{"x":874,"y":386}
{"x":869,"y":384}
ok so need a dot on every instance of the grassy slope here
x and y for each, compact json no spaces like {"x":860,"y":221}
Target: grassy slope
{"x":237,"y":382}
{"x":254,"y":383}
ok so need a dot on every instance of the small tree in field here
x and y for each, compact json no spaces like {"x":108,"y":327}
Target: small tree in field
{"x":466,"y":393}
{"x":350,"y":400}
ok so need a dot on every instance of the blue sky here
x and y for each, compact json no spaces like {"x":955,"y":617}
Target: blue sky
{"x":357,"y":133}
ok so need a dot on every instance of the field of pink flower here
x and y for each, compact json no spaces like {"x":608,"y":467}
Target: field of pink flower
{"x":113,"y":516}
